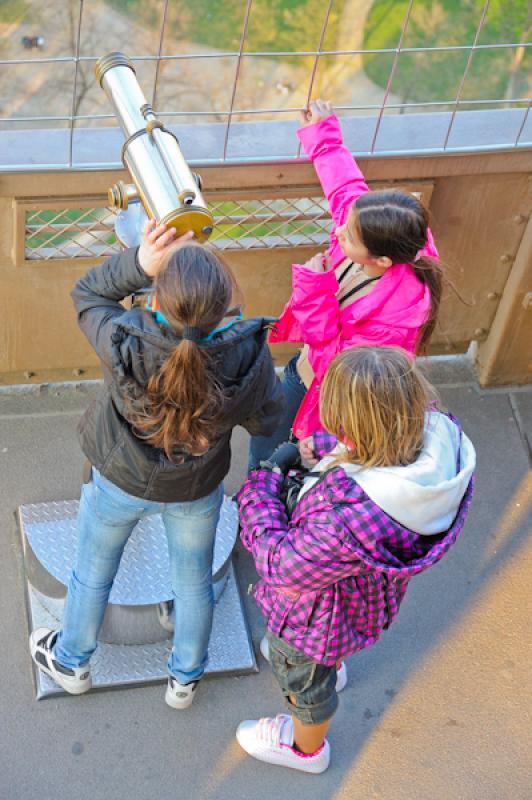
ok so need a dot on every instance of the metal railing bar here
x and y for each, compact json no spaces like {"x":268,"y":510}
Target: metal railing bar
{"x":292,"y":110}
{"x":237,"y":74}
{"x":271,"y":54}
{"x":315,"y":64}
{"x":466,"y":71}
{"x":75,"y":87}
{"x":522,"y":127}
{"x":33,"y":229}
{"x":158,"y":65}
{"x":111,"y":166}
{"x":392,"y":73}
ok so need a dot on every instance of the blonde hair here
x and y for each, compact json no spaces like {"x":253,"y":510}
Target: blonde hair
{"x":374,"y":400}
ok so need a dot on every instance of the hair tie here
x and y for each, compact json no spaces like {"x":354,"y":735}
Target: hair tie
{"x":192,"y":334}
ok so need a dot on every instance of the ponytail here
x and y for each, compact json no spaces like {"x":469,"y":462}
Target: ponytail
{"x":428,"y":270}
{"x":183,"y":401}
{"x":395,"y":224}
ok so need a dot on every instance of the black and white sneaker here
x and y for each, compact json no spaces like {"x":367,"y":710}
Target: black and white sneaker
{"x":178,"y":695}
{"x":73,"y":681}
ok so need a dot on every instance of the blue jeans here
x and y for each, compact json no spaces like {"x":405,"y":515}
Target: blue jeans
{"x":107,"y":516}
{"x":261,"y":447}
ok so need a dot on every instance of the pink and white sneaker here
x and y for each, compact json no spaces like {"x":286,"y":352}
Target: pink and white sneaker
{"x":272,"y":741}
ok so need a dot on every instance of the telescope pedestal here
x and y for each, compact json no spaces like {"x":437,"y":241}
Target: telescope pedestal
{"x":135,"y":639}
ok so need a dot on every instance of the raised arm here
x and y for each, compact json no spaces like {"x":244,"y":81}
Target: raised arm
{"x":340,"y":177}
{"x":97,"y":297}
{"x":98,"y":293}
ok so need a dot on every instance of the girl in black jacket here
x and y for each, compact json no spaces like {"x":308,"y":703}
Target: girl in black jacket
{"x":175,"y":384}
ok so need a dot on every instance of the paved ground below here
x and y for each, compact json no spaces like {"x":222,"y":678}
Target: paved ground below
{"x":440,"y":708}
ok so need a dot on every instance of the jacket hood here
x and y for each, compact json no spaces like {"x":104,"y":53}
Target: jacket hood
{"x":424,"y":496}
{"x":141,"y":346}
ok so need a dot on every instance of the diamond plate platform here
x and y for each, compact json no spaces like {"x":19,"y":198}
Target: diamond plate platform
{"x":112,"y":666}
{"x":133,"y":645}
{"x":143,"y":577}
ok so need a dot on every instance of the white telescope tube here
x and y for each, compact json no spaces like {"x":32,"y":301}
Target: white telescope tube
{"x":169,"y":191}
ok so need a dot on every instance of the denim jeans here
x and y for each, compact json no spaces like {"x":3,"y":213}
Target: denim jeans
{"x":309,"y":688}
{"x":261,"y":447}
{"x":107,"y":516}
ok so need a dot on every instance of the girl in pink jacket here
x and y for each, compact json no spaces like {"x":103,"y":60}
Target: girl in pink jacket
{"x":379,"y":283}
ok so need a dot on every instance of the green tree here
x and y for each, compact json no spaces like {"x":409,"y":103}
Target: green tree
{"x":436,"y":76}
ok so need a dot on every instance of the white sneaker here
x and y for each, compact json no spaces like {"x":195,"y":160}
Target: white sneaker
{"x":272,"y":741}
{"x":73,"y":681}
{"x":165,"y":615}
{"x":341,"y":674}
{"x":178,"y":695}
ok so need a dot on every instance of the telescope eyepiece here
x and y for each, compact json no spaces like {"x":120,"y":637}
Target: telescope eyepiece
{"x":105,"y":63}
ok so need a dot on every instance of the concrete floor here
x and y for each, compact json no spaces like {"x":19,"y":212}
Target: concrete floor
{"x":440,"y":708}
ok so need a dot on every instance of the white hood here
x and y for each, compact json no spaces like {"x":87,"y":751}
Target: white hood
{"x":423,"y":496}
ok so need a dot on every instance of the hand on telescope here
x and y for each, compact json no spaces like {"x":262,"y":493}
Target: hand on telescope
{"x":158,"y":242}
{"x":316,"y":111}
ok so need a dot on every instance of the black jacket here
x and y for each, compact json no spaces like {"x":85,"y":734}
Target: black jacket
{"x":132,"y":346}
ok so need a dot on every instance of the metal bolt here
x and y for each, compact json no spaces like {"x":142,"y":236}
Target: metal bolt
{"x":480,"y":332}
{"x":527,"y":301}
{"x":78,"y":371}
{"x":29,"y":374}
{"x":520,"y":218}
{"x":506,"y":258}
{"x":493,"y":295}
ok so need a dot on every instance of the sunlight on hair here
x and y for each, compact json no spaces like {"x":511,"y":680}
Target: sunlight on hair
{"x":374,"y":400}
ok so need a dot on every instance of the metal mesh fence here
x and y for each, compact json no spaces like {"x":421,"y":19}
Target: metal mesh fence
{"x":239,"y":225}
{"x":378,"y":58}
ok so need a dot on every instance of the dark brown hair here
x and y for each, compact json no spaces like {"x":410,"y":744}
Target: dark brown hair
{"x":184,"y":399}
{"x":374,"y":400}
{"x":395,"y":224}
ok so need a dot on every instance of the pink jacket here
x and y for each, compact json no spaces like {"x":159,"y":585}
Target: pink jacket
{"x":391,"y":314}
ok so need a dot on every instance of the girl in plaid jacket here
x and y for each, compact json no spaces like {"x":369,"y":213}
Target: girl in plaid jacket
{"x":386,"y":499}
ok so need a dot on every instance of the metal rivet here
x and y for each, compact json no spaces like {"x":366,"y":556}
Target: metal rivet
{"x":207,"y":230}
{"x":527,"y":301}
{"x":480,"y":331}
{"x":520,"y":218}
{"x":78,"y":371}
{"x":492,"y":295}
{"x":506,"y":258}
{"x":29,"y":374}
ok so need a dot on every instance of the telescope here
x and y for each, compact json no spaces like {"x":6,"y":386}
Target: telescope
{"x":169,"y":192}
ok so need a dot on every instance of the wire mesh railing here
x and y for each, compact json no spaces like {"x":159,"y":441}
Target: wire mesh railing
{"x":239,"y":225}
{"x":385,"y":61}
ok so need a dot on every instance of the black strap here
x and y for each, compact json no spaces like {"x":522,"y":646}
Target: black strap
{"x":357,"y":289}
{"x":345,"y":271}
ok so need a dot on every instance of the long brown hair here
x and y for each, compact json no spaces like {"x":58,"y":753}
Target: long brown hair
{"x":184,"y":399}
{"x":374,"y":399}
{"x":395,"y":224}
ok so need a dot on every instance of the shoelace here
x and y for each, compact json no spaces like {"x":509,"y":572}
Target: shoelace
{"x":270,"y":730}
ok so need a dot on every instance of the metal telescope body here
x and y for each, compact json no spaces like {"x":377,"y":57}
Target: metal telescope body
{"x":168,"y":190}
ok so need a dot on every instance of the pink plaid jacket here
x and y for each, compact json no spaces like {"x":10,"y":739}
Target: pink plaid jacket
{"x":334,"y":575}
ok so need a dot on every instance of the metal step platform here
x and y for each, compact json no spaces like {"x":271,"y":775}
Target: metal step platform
{"x":135,"y":640}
